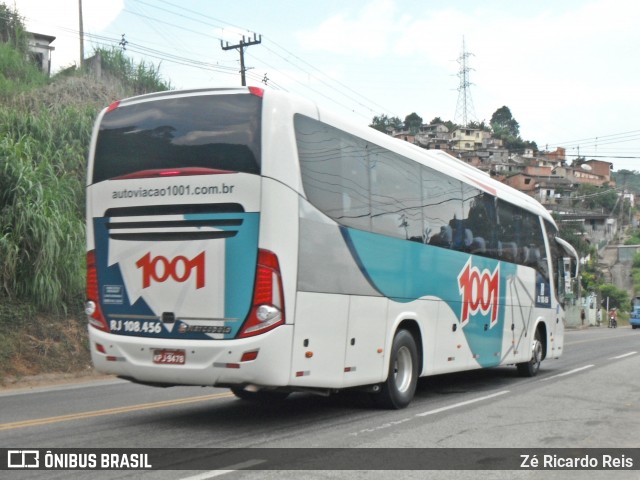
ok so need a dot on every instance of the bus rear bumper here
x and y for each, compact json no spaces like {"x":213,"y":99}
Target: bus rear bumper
{"x":206,"y":362}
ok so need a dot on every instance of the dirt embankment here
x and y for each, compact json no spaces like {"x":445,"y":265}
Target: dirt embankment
{"x":44,"y":349}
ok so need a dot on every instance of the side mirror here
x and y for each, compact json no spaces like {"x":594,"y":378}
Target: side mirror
{"x":572,"y":262}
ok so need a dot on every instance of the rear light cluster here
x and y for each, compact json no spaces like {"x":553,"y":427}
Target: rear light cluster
{"x":92,"y":305}
{"x":257,"y":91}
{"x":267,"y":311}
{"x":113,"y":106}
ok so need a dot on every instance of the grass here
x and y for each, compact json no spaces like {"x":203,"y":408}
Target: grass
{"x":44,"y":139}
{"x":45,"y":131}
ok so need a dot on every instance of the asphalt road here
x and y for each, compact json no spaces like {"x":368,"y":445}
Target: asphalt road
{"x":590,"y":398}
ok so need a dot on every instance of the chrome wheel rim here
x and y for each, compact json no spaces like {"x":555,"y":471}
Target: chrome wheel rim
{"x":537,"y":355}
{"x":403,"y":369}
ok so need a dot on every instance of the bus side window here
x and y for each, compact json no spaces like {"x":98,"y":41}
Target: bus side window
{"x":335,"y":172}
{"x":479,"y":220}
{"x":395,"y":195}
{"x":441,"y":208}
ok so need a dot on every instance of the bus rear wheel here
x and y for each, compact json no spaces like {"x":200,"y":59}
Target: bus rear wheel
{"x":402,"y":380}
{"x":531,"y":368}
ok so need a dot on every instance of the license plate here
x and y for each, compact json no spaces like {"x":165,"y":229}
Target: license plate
{"x":169,"y":357}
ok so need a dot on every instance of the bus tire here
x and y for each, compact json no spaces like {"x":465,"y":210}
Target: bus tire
{"x":260,"y":396}
{"x":400,"y":387}
{"x":531,"y":368}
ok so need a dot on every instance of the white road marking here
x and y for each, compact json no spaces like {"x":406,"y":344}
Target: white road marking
{"x":229,"y":469}
{"x":462,"y":404}
{"x":382,"y":427}
{"x":622,"y":356}
{"x":576,"y":370}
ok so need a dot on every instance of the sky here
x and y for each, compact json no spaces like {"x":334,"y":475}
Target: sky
{"x":567,"y":70}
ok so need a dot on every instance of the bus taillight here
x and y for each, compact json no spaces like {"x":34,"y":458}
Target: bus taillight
{"x":267,"y":311}
{"x":257,"y":91}
{"x":92,"y":305}
{"x":113,"y":106}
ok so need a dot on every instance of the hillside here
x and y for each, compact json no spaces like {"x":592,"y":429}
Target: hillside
{"x":45,"y":130}
{"x":43,"y":139}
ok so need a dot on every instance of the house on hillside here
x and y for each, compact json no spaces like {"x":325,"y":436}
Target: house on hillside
{"x":582,"y":174}
{"x":506,"y":165}
{"x":601,"y":168}
{"x":541,"y":184}
{"x":598,"y":227}
{"x":405,"y":135}
{"x":433,"y":137}
{"x":468,"y":139}
{"x":478,"y":158}
{"x":555,"y":158}
{"x":40,"y":49}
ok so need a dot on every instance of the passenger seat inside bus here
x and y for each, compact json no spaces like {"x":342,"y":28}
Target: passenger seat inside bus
{"x":508,"y":251}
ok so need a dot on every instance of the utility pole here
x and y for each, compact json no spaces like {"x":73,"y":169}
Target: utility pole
{"x":244,"y":43}
{"x":81,"y":28}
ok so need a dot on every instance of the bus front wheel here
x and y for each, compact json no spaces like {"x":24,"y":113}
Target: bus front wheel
{"x":400,"y":386}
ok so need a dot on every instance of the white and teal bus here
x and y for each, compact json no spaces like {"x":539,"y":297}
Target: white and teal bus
{"x":248,"y":239}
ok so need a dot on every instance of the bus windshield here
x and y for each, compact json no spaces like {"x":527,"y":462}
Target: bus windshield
{"x":220,"y":132}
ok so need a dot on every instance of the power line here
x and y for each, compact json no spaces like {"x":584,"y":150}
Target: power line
{"x":287,"y":58}
{"x":582,"y":155}
{"x":595,"y":139}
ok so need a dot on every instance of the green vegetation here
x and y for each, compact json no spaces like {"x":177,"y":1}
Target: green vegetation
{"x":503,"y":126}
{"x":17,"y":75}
{"x":593,"y":197}
{"x":138,"y":79}
{"x":629,"y":179}
{"x":574,"y":234}
{"x":12,"y":31}
{"x":45,"y":130}
{"x":413,"y":122}
{"x":618,"y":298}
{"x":634,"y":238}
{"x":386,"y":124}
{"x":591,"y":277}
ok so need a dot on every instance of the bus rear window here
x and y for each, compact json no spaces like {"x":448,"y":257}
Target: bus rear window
{"x":220,"y":132}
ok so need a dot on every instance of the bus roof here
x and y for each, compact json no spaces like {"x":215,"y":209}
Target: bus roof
{"x":437,"y":159}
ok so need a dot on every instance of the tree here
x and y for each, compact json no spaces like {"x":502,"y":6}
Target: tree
{"x":385,"y":124}
{"x":618,"y":298}
{"x":503,"y":123}
{"x":593,"y":197}
{"x":630,"y":179}
{"x":12,"y":30}
{"x":413,"y":122}
{"x":479,"y":126}
{"x":449,"y":124}
{"x":531,"y":144}
{"x":574,"y":234}
{"x":506,"y":128}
